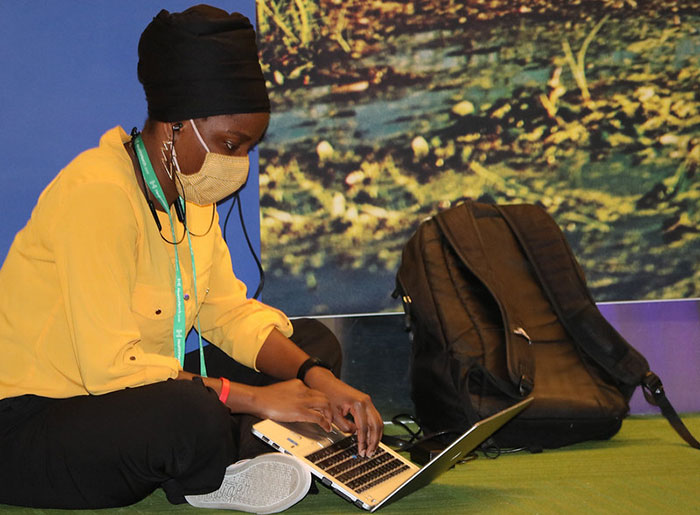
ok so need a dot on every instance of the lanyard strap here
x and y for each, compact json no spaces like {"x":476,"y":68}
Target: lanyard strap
{"x":179,"y":321}
{"x":202,"y":365}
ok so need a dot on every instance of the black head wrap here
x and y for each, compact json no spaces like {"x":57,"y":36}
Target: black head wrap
{"x":200,"y":62}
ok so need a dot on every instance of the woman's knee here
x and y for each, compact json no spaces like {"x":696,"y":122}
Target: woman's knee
{"x":197,"y":432}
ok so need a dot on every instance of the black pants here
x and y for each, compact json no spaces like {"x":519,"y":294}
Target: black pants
{"x":99,"y":451}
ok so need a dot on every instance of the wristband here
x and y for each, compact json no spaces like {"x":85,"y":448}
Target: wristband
{"x":225,"y":388}
{"x":310,"y":363}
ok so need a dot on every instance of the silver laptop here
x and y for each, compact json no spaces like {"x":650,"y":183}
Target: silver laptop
{"x":371,"y":483}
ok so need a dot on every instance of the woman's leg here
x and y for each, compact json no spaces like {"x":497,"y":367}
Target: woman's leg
{"x":114,"y":449}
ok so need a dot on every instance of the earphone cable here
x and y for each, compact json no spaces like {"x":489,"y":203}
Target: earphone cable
{"x":261,"y":271}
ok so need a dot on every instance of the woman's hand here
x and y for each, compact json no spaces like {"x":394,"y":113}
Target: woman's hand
{"x":344,"y":400}
{"x":289,"y":401}
{"x":279,"y":357}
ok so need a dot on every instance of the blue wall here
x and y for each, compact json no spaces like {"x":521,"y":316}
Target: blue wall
{"x":68,"y":74}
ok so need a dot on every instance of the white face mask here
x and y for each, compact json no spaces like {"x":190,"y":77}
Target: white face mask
{"x":219,"y":176}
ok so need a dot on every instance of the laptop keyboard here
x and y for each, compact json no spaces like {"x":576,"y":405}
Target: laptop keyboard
{"x":341,"y":461}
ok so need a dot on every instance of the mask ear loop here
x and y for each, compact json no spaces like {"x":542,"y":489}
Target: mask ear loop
{"x":213,"y":207}
{"x":173,"y":159}
{"x":199,"y":136}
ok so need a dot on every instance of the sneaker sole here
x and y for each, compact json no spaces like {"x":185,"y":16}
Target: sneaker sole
{"x":266,"y":484}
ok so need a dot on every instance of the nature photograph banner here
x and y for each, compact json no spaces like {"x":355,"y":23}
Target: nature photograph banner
{"x":385,"y":113}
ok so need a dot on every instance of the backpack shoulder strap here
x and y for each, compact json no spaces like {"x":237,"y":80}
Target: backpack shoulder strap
{"x":458,"y":226}
{"x":562,"y":280}
{"x":564,"y":283}
{"x":655,"y":395}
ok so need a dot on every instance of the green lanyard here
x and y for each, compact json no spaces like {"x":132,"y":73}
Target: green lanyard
{"x":179,"y":322}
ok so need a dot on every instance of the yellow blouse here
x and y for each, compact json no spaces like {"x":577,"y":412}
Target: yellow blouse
{"x":87,"y":301}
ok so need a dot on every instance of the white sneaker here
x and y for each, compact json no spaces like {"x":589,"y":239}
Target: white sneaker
{"x":266,"y":484}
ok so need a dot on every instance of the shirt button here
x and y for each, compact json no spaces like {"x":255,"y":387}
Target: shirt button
{"x":158,"y":312}
{"x":187,"y":296}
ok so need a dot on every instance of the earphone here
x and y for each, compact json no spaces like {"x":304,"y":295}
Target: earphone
{"x":180,"y":213}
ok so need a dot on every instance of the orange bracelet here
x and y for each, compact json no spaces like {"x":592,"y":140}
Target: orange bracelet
{"x":225,"y":388}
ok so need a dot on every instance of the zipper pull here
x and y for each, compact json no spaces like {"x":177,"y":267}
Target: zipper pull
{"x":521,"y":332}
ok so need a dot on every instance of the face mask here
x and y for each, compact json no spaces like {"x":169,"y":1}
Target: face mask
{"x":219,"y":176}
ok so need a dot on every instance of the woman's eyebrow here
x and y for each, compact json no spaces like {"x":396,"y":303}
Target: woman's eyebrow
{"x":244,"y":136}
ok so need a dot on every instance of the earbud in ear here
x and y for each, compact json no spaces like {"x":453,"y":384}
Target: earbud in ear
{"x":177,"y":126}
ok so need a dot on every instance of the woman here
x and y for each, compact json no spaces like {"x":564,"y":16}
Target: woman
{"x":121,"y":257}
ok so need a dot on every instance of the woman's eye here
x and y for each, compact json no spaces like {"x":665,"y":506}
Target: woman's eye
{"x":230,"y":145}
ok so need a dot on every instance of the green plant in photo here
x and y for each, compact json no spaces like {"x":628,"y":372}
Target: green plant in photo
{"x":295,"y":18}
{"x":578,"y":64}
{"x":389,"y":111}
{"x":304,"y":23}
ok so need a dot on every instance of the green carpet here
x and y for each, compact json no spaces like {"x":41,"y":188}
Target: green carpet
{"x":645,"y":468}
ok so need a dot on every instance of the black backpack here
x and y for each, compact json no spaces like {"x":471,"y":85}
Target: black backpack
{"x":498,"y":309}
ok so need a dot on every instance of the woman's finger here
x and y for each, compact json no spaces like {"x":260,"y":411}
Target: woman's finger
{"x":319,"y":418}
{"x":375,"y":428}
{"x":358,"y":413}
{"x":342,"y":422}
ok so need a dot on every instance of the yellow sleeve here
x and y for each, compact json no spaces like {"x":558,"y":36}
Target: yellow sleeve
{"x":95,"y":240}
{"x":237,"y":325}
